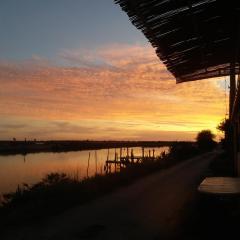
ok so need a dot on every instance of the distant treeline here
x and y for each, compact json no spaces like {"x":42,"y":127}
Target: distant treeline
{"x":25,"y":147}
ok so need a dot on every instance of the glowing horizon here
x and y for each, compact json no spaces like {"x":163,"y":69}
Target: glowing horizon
{"x":65,"y":75}
{"x":117,"y":92}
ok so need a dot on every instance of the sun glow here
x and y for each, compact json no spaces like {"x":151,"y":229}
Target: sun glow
{"x":115,"y":92}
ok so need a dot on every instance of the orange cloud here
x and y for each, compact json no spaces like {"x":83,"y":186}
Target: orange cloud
{"x":121,"y":91}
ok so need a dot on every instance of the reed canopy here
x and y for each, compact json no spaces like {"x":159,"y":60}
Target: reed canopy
{"x":194,"y":39}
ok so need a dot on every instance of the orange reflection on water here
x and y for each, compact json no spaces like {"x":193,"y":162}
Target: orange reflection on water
{"x":18,"y":169}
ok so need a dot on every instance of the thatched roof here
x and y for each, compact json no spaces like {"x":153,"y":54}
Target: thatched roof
{"x":194,"y":39}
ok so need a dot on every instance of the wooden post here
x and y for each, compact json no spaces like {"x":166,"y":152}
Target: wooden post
{"x":120,"y":164}
{"x":232,"y":87}
{"x":96,"y":160}
{"x":233,"y":127}
{"x":237,"y":131}
{"x":108,"y":155}
{"x":88,"y":163}
{"x":107,"y":161}
{"x":120,"y":154}
{"x":115,"y":160}
{"x":238,"y":145}
{"x":132,"y":156}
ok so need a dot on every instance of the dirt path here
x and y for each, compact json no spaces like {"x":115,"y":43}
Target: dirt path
{"x":151,"y":208}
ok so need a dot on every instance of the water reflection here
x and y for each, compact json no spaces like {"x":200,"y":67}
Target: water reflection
{"x":24,"y":157}
{"x":30,"y":168}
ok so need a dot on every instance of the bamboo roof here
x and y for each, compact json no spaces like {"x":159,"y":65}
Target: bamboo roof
{"x":194,"y":39}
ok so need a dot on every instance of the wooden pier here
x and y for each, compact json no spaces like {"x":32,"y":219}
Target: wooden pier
{"x":122,"y":162}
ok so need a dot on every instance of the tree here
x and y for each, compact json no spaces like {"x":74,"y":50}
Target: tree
{"x":224,"y":127}
{"x":205,"y":140}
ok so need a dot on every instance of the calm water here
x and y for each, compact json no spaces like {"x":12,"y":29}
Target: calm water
{"x":17,"y":169}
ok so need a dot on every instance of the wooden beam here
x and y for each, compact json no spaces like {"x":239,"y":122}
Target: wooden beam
{"x":233,"y":123}
{"x":235,"y":109}
{"x":232,"y":87}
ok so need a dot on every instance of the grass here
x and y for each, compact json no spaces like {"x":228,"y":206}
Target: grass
{"x":57,"y":192}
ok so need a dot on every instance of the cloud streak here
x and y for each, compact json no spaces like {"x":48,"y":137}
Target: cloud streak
{"x":117,"y":91}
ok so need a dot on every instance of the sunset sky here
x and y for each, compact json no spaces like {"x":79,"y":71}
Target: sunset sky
{"x":78,"y":69}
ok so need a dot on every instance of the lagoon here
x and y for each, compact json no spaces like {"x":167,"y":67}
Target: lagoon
{"x":19,"y":169}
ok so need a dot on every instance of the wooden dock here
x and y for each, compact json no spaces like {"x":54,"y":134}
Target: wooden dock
{"x":122,"y":162}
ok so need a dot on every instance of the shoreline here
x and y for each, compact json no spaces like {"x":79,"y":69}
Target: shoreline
{"x":100,"y":187}
{"x":58,"y":186}
{"x":27,"y":147}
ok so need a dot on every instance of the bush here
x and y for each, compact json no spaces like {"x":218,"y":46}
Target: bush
{"x":205,"y":140}
{"x":182,"y":151}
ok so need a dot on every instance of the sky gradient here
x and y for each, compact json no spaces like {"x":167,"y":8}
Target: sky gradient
{"x":80,"y":70}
